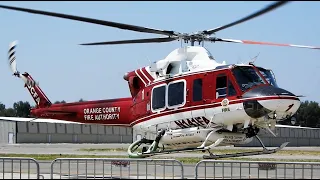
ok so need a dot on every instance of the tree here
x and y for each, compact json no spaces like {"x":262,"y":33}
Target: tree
{"x":81,"y":100}
{"x":10,"y":112}
{"x":22,"y":109}
{"x":59,"y":102}
{"x":309,"y":114}
{"x":2,"y":109}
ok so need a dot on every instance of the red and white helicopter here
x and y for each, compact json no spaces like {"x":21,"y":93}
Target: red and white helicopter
{"x":188,"y":99}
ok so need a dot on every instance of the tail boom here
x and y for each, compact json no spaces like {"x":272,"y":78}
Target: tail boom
{"x":116,"y":112}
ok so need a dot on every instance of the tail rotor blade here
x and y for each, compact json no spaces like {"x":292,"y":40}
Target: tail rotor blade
{"x":12,"y":56}
{"x":13,"y":65}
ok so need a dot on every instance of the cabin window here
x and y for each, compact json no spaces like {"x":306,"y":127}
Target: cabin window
{"x":176,"y":94}
{"x":197,"y":90}
{"x":158,"y":100}
{"x":221,"y":86}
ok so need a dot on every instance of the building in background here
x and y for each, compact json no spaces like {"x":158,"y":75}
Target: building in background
{"x":30,"y":130}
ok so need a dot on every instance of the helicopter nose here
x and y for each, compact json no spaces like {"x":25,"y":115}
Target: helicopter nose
{"x":264,"y":100}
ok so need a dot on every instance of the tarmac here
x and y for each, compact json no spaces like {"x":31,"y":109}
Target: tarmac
{"x":73,"y":149}
{"x":149,"y":169}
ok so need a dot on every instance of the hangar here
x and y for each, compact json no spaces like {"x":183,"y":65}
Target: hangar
{"x":29,"y":130}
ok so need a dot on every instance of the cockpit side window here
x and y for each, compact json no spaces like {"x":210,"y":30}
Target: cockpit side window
{"x":231,"y":90}
{"x":221,"y":86}
{"x":224,"y":86}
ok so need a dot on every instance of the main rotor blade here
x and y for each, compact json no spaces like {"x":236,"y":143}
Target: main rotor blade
{"x":152,"y":40}
{"x":256,"y":14}
{"x":94,"y":21}
{"x":262,"y":43}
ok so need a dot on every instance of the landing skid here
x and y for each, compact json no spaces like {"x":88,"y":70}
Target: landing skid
{"x":252,"y":153}
{"x":173,"y":151}
{"x":211,"y":156}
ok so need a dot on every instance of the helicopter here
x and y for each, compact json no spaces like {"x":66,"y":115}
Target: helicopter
{"x":188,"y":100}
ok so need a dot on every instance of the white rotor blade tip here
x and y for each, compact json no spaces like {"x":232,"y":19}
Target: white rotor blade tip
{"x":13,"y":43}
{"x":12,"y":58}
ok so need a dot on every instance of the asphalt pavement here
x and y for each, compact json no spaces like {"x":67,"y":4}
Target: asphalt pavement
{"x":148,"y":168}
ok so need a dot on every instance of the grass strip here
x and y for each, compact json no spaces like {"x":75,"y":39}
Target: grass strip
{"x":185,"y":160}
{"x":216,"y":151}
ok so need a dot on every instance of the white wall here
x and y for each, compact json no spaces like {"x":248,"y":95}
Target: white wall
{"x":7,"y":127}
{"x":42,"y":132}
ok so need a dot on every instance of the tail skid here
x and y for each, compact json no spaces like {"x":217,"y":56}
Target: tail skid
{"x":33,"y":87}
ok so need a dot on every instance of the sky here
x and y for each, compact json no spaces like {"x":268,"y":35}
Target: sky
{"x":48,"y":47}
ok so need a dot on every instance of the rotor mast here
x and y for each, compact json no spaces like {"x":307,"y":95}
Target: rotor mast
{"x":192,"y":42}
{"x":194,"y":37}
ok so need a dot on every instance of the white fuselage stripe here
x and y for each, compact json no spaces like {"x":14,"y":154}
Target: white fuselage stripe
{"x":185,"y":108}
{"x":145,"y":75}
{"x":151,"y":77}
{"x":140,"y":77}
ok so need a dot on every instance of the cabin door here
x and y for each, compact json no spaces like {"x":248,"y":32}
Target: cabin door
{"x":218,"y":86}
{"x":225,"y":94}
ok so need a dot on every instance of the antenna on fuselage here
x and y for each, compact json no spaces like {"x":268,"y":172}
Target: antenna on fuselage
{"x":239,"y":60}
{"x":254,"y":58}
{"x":138,"y":65}
{"x":148,"y":60}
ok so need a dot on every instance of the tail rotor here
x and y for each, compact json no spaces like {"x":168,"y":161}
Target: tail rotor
{"x":13,"y":65}
{"x":12,"y":58}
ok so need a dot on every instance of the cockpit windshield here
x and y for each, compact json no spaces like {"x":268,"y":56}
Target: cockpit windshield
{"x":247,"y":77}
{"x":268,"y":76}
